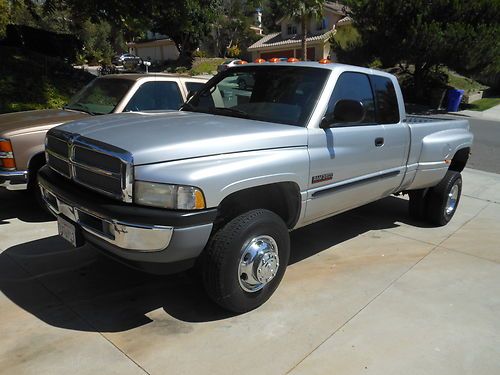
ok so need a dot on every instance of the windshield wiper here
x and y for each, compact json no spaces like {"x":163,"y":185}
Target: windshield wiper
{"x":229,"y":112}
{"x":80,"y":107}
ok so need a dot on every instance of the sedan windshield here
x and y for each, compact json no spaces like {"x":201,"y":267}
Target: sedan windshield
{"x":100,"y":96}
{"x":280,"y":94}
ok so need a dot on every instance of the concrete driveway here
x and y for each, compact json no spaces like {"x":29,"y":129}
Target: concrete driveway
{"x":367,"y":292}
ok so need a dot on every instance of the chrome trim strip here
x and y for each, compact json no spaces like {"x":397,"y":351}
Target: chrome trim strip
{"x":9,"y":176}
{"x":348,"y":184}
{"x":127,"y":236}
{"x":6,"y":155}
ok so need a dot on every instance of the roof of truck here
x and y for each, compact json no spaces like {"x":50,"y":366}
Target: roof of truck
{"x":138,"y":76}
{"x":320,"y":65}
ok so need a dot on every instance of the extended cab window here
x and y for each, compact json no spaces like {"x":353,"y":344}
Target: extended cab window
{"x":353,"y":86}
{"x":385,"y":99}
{"x":154,"y":96}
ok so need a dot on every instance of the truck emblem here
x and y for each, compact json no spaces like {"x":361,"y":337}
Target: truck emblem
{"x":322,"y":178}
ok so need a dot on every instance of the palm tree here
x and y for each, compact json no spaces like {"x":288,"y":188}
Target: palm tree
{"x":303,"y":11}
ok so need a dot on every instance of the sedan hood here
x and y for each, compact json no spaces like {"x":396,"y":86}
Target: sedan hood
{"x":158,"y":137}
{"x":30,"y":121}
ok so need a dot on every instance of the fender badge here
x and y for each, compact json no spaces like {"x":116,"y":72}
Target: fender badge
{"x":322,"y":178}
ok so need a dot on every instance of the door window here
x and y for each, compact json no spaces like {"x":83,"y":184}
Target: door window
{"x":353,"y":86}
{"x":154,"y":96}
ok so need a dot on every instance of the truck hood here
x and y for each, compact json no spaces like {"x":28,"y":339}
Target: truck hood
{"x":31,"y":121}
{"x":167,"y":136}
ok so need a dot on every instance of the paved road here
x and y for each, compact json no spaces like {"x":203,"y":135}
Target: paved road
{"x":486,"y":148}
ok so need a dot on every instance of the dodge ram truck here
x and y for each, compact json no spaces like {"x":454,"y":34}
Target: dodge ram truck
{"x":219,"y":184}
{"x":22,"y":134}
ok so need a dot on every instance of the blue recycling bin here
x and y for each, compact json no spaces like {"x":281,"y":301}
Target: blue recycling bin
{"x":454,"y":99}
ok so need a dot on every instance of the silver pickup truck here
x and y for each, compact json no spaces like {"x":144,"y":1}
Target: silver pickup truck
{"x":219,"y":184}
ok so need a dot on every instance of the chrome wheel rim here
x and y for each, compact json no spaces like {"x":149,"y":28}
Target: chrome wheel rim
{"x":259,"y":263}
{"x":451,"y":202}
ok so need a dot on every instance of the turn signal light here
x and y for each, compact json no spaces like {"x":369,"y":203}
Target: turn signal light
{"x":260,"y":61}
{"x":5,"y":146}
{"x":274,"y":60}
{"x":324,"y":61}
{"x":293,"y":59}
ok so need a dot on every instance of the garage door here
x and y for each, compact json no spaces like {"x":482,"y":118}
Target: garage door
{"x":270,"y":55}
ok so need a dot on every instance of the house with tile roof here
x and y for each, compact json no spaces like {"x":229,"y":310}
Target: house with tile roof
{"x":287,"y":42}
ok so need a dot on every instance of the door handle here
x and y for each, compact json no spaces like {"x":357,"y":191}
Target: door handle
{"x":379,"y":141}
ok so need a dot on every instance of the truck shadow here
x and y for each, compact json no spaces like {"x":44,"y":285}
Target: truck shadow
{"x":21,"y":205}
{"x":80,"y":289}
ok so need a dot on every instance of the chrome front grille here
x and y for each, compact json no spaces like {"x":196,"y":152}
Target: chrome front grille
{"x":95,"y":165}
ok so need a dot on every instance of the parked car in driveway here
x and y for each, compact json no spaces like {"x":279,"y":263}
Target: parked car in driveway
{"x":22,"y":134}
{"x":228,"y":64}
{"x":126,"y":58}
{"x":221,"y":183}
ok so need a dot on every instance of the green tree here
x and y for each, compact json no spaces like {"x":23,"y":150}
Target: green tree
{"x":4,"y":17}
{"x":186,"y":22}
{"x":303,"y":11}
{"x":231,"y":27}
{"x":422,"y":35}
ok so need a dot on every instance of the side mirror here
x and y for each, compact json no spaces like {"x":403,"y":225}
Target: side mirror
{"x":345,"y":111}
{"x":190,"y":94}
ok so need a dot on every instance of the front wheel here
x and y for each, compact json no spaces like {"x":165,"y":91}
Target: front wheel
{"x":245,"y":260}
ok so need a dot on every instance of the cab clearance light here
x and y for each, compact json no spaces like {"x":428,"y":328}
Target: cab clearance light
{"x":260,"y":61}
{"x":241,"y":62}
{"x":292,"y":60}
{"x":325,"y":61}
{"x":274,"y":60}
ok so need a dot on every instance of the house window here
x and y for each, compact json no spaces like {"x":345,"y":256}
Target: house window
{"x":321,"y":25}
{"x":291,"y":29}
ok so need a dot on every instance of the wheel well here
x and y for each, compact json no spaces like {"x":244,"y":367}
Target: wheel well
{"x":36,"y":162}
{"x":460,"y":160}
{"x":281,"y":198}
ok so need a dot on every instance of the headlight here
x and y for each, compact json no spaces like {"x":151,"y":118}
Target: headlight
{"x":6,"y":155}
{"x":175,"y":197}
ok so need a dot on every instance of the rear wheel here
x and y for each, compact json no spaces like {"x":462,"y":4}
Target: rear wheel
{"x":246,"y":260}
{"x":442,"y":200}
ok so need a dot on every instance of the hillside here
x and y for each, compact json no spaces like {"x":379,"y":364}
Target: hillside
{"x":30,"y":80}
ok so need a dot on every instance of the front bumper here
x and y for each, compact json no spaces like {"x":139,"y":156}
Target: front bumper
{"x":14,"y":180}
{"x":134,"y":233}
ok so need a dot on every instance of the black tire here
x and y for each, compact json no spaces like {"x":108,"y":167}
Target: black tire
{"x":222,"y":257}
{"x":417,"y":204}
{"x":437,"y":199}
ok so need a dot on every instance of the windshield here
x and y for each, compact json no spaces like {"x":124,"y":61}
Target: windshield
{"x":280,"y":94}
{"x":100,"y":96}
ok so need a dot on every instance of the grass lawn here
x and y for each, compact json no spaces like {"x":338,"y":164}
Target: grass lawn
{"x":484,"y":104}
{"x":30,"y":80}
{"x":205,"y":65}
{"x":463,"y":83}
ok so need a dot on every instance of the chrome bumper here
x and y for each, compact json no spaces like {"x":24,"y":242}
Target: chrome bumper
{"x":14,"y":180}
{"x":126,"y":236}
